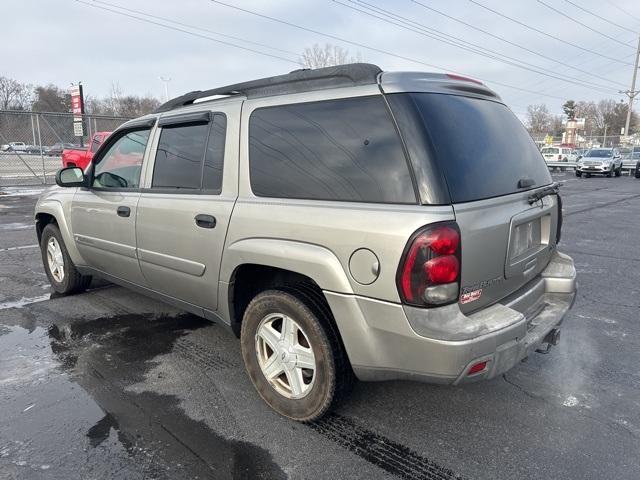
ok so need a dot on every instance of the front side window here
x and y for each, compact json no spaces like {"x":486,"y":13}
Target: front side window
{"x":346,"y":150}
{"x":121,"y":164}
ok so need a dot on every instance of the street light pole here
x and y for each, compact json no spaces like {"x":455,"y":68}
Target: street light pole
{"x":632,"y":93}
{"x":166,"y":81}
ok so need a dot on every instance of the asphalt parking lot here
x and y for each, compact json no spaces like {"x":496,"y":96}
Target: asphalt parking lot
{"x":110,"y":384}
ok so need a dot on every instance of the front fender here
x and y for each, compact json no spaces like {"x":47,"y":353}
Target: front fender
{"x":317,"y":263}
{"x":55,"y":208}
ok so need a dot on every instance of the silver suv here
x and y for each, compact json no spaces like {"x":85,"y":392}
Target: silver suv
{"x":344,"y":222}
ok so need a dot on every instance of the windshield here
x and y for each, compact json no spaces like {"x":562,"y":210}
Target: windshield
{"x":549,"y":150}
{"x":599,"y":153}
{"x":503,"y":153}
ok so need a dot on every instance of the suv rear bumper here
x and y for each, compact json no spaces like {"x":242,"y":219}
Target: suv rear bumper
{"x":386,"y":341}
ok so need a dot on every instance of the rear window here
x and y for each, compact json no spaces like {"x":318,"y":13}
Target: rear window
{"x":549,"y":150}
{"x":480,"y":146}
{"x":345,"y":150}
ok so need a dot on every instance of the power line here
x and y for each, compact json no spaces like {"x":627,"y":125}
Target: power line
{"x":600,"y":17}
{"x":374,"y":49}
{"x":561,"y":62}
{"x":188,"y":32}
{"x":623,"y":10}
{"x":468,"y":46}
{"x":560,"y":12}
{"x":566,"y":42}
{"x":194,"y":27}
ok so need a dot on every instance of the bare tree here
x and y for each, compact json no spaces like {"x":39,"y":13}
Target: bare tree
{"x":15,"y":95}
{"x":50,"y":98}
{"x":539,"y":120}
{"x":326,"y":56}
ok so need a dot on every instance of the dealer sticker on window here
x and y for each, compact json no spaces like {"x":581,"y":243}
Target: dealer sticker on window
{"x":470,"y":296}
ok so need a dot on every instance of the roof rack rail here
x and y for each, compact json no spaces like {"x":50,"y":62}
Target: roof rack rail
{"x":302,"y":80}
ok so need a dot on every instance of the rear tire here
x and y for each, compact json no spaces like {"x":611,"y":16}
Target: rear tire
{"x":61,"y":271}
{"x":588,"y":175}
{"x":296,"y":392}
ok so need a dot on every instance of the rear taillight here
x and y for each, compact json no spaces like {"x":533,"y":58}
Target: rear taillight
{"x":559,"y":227}
{"x":559,"y":157}
{"x":429,"y":271}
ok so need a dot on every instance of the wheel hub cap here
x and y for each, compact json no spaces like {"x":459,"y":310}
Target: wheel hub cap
{"x":285,"y":355}
{"x":55,"y":260}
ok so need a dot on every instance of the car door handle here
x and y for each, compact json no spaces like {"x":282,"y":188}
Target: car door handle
{"x":205,"y":221}
{"x":124,"y":211}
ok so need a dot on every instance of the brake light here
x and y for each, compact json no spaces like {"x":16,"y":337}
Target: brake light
{"x":453,"y":76}
{"x":429,"y":271}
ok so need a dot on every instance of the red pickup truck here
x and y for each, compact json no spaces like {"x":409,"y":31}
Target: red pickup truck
{"x":81,"y":157}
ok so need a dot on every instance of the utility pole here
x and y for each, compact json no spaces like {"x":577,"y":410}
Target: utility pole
{"x":633,"y":92}
{"x":604,"y":138}
{"x":166,"y":81}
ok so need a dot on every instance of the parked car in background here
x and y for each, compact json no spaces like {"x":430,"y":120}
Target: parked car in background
{"x":556,"y":154}
{"x":635,"y":157}
{"x":81,"y":157}
{"x":56,"y":149}
{"x":34,"y":149}
{"x":574,"y":155}
{"x":326,"y":217}
{"x":600,"y":161}
{"x":14,"y":147}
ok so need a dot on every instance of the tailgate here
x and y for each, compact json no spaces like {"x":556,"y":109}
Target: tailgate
{"x":505,"y":243}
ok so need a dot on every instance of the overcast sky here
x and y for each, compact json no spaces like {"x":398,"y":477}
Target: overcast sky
{"x":64,"y":41}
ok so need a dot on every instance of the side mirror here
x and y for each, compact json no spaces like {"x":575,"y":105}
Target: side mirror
{"x":579,"y":157}
{"x":70,"y":177}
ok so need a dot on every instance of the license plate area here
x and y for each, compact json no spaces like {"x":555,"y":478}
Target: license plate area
{"x":528,"y":242}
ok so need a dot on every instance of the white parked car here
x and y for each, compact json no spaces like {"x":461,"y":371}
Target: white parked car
{"x":556,"y":154}
{"x":15,"y":147}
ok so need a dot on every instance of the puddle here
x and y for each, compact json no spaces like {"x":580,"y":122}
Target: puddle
{"x":66,"y":408}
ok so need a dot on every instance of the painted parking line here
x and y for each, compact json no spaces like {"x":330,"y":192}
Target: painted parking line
{"x":24,"y":301}
{"x":21,"y":247}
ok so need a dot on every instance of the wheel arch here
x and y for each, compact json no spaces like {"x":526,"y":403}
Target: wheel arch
{"x":51,"y":211}
{"x":253,"y":265}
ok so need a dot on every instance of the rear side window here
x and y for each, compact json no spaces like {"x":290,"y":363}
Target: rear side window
{"x":345,"y":150}
{"x":179,"y":156}
{"x":482,"y":149}
{"x":190,"y":156}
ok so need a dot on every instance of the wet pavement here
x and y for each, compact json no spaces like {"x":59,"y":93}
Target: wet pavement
{"x":111,"y":384}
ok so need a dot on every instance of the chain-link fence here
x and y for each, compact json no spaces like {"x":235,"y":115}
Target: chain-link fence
{"x":31,"y":143}
{"x":588,"y":141}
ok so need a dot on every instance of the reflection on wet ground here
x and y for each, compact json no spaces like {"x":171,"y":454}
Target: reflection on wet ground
{"x":136,"y":434}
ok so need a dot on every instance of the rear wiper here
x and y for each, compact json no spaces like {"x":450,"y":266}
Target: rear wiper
{"x":540,"y":194}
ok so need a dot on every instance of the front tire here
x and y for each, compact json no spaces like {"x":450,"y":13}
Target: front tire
{"x":292,"y":353}
{"x":61,"y":271}
{"x":578,"y":174}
